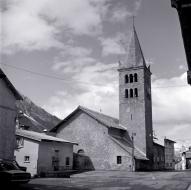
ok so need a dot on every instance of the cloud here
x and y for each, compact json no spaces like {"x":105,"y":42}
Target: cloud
{"x":96,"y":87}
{"x":172,"y":106}
{"x":137,"y":6}
{"x":92,"y":85}
{"x":114,"y":45}
{"x":38,"y":25}
{"x":72,"y":58}
{"x":120,"y":14}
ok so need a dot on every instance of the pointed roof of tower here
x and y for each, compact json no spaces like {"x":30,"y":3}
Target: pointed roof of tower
{"x":135,"y":56}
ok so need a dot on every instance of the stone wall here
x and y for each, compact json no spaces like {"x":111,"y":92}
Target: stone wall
{"x":49,"y":151}
{"x":131,"y":110}
{"x":94,"y":139}
{"x":159,"y":157}
{"x":7,"y":122}
{"x":169,"y":154}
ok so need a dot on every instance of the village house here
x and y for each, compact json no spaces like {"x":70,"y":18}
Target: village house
{"x":41,"y":153}
{"x":159,"y":156}
{"x":125,"y":143}
{"x":163,"y":152}
{"x":8,"y":97}
{"x":169,"y":154}
{"x":186,"y":159}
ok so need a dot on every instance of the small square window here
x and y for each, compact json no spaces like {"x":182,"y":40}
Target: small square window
{"x":27,"y":158}
{"x":119,"y":160}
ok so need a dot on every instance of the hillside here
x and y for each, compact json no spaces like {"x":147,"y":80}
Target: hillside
{"x":35,"y":117}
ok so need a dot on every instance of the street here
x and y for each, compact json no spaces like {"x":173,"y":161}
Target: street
{"x":114,"y":180}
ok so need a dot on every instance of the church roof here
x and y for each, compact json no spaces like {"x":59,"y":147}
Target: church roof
{"x":135,"y":56}
{"x":127,"y":146}
{"x":10,"y":85}
{"x":106,"y":120}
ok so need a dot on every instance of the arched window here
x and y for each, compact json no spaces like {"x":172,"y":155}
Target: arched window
{"x":131,"y":93}
{"x":136,"y":92}
{"x":126,"y":79}
{"x":131,"y":78}
{"x":81,"y":151}
{"x":126,"y":93}
{"x":135,"y":77}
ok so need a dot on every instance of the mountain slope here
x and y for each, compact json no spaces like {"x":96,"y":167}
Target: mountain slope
{"x":35,"y":117}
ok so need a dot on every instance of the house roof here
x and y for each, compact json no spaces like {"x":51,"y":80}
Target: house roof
{"x":127,"y":146}
{"x":40,"y":136}
{"x":106,"y":120}
{"x":10,"y":85}
{"x":169,"y":140}
{"x":157,"y":144}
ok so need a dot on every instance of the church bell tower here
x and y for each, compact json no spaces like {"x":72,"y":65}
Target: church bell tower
{"x":135,"y":104}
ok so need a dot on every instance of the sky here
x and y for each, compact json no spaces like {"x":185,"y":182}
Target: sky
{"x":62,"y":54}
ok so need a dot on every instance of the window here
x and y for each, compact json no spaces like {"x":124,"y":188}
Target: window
{"x":119,"y":160}
{"x":27,"y":159}
{"x":67,"y":161}
{"x":126,"y":93}
{"x":131,"y":93}
{"x":131,"y":78}
{"x":135,"y":77}
{"x":20,"y":142}
{"x":126,"y":79}
{"x":81,"y":151}
{"x":136,"y":92}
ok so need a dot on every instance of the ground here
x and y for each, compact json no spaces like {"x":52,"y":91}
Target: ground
{"x":115,"y":180}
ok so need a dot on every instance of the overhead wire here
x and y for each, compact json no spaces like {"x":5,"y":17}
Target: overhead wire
{"x":76,"y":81}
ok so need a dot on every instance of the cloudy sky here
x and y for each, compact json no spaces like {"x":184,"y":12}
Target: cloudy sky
{"x":62,"y":54}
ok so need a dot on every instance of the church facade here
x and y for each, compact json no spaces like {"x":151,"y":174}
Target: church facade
{"x":125,"y":143}
{"x":105,"y":144}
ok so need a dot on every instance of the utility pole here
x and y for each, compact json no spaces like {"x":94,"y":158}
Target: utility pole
{"x":133,"y":152}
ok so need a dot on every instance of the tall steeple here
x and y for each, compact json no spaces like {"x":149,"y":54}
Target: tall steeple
{"x":135,"y":104}
{"x":134,"y":56}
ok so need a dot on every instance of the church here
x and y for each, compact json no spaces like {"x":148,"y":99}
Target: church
{"x":126,"y":143}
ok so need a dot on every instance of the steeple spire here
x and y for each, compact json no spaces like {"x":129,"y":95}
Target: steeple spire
{"x":135,"y":56}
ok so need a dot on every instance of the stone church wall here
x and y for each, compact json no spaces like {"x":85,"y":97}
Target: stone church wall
{"x":94,"y":140}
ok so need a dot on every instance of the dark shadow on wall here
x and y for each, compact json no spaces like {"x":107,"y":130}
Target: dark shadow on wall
{"x":82,"y":162}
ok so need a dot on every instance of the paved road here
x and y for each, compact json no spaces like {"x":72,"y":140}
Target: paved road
{"x":115,"y":180}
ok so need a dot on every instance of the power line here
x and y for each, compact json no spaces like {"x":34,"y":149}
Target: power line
{"x":51,"y":76}
{"x":77,"y":81}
